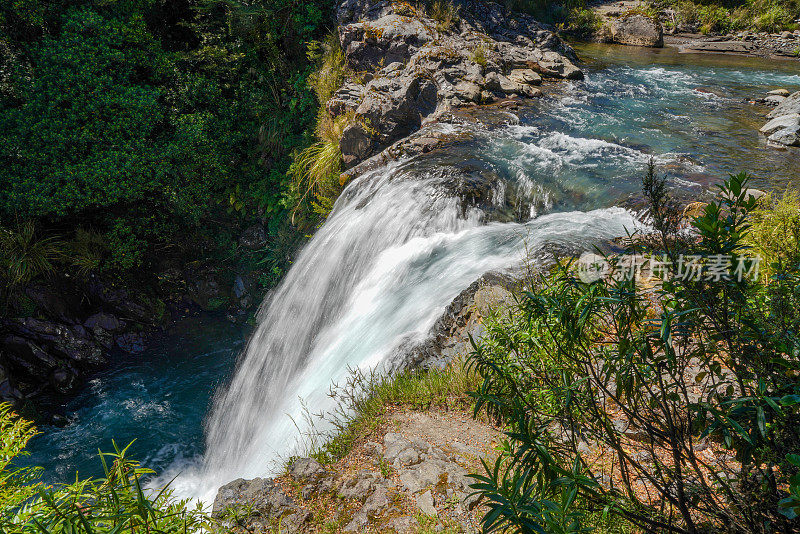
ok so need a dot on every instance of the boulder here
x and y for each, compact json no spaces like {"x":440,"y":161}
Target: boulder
{"x":525,"y":76}
{"x":788,"y":106}
{"x":637,"y":30}
{"x":392,"y":109}
{"x":787,"y":136}
{"x":779,"y":92}
{"x":259,"y":495}
{"x":381,"y":42}
{"x":779,"y":123}
{"x":774,"y":100}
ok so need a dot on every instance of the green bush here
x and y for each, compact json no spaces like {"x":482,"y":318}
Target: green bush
{"x":116,"y":503}
{"x":144,"y":121}
{"x":612,"y":389}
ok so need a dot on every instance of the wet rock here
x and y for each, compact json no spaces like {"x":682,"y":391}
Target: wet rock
{"x":254,"y":237}
{"x":637,"y":30}
{"x":132,"y":342}
{"x":786,"y":136}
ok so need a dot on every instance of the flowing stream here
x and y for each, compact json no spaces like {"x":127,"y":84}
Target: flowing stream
{"x":405,"y":239}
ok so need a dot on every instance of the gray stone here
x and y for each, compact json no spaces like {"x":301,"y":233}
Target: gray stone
{"x":779,"y":123}
{"x":787,"y":136}
{"x":788,"y":106}
{"x":525,"y":76}
{"x":426,"y":505}
{"x":637,"y":30}
{"x":774,"y":100}
{"x":304,"y":468}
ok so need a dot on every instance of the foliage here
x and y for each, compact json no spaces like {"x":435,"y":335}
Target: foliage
{"x":24,"y":255}
{"x":143,"y":121}
{"x":115,"y":503}
{"x":445,"y":13}
{"x":722,"y":16}
{"x":479,"y":55}
{"x":612,"y":390}
{"x":775,"y":231}
{"x":584,"y":21}
{"x":364,"y":397}
{"x":316,"y":169}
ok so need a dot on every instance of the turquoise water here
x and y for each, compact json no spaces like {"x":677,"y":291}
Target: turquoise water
{"x":158,"y":398}
{"x":583,"y":146}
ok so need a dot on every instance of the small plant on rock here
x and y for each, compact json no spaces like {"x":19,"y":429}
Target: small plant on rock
{"x":445,"y":13}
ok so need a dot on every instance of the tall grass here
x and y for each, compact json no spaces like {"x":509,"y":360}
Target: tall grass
{"x":24,"y":255}
{"x":445,"y":13}
{"x":315,"y":170}
{"x":363,"y":400}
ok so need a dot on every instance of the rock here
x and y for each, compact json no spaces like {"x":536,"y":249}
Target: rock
{"x":637,"y":30}
{"x":305,"y":468}
{"x":106,"y":321}
{"x":379,"y":500}
{"x":131,"y":342}
{"x":469,"y":91}
{"x":779,"y":123}
{"x":525,"y":76}
{"x":392,"y":38}
{"x":779,"y":92}
{"x":403,"y":525}
{"x":358,"y":486}
{"x":254,"y":237}
{"x":357,"y":524}
{"x":346,"y":99}
{"x":774,"y":100}
{"x":426,"y":505}
{"x":788,"y":106}
{"x":261,"y":495}
{"x":787,"y":136}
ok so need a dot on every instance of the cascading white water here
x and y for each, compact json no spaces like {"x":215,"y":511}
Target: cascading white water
{"x":392,"y":255}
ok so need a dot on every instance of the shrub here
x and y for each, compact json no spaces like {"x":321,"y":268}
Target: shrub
{"x":612,"y":390}
{"x":25,"y":256}
{"x":445,"y":13}
{"x":584,"y":21}
{"x":479,"y":55}
{"x":114,"y":503}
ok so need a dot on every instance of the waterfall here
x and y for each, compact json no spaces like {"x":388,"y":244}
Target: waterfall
{"x":392,"y":255}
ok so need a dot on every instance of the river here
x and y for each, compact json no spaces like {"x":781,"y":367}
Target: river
{"x":402,"y":242}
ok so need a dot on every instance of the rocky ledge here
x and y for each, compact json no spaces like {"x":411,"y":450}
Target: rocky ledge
{"x":783,"y":128}
{"x":409,"y":69}
{"x":416,"y":471}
